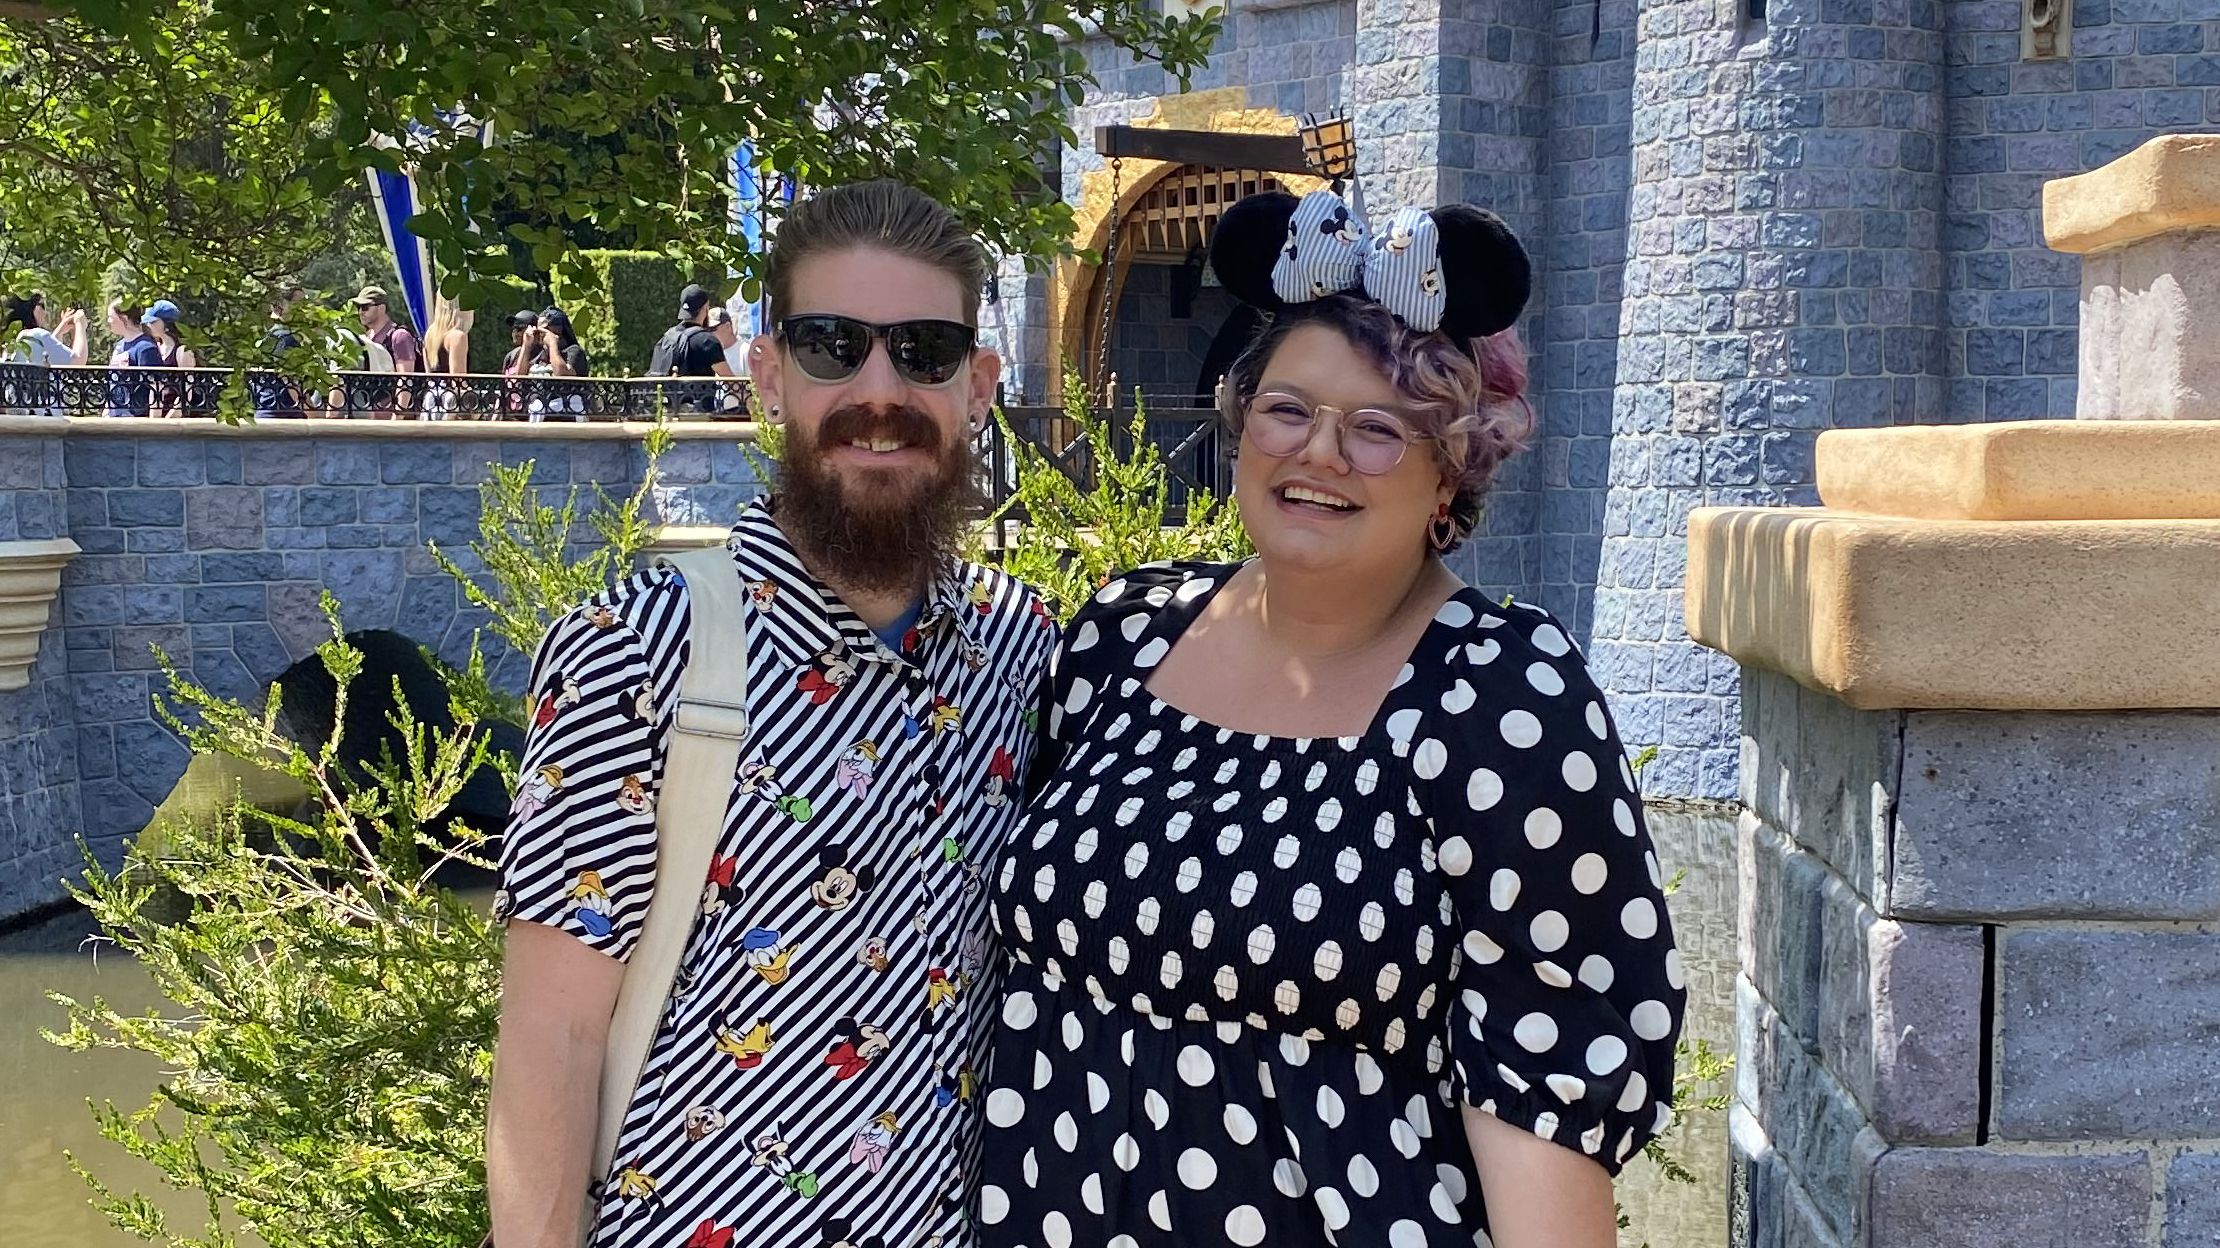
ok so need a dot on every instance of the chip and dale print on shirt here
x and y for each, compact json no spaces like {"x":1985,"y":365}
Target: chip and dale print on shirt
{"x":817,"y":1070}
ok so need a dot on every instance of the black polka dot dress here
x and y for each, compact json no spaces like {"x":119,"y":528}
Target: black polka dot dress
{"x":1253,"y":979}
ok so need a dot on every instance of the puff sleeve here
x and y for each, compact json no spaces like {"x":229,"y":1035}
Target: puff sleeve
{"x":1568,"y":988}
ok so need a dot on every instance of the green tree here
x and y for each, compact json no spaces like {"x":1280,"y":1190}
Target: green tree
{"x":615,"y":124}
{"x":149,"y":148}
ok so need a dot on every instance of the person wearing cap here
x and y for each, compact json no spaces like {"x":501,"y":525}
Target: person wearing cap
{"x":709,"y":355}
{"x":524,"y":346}
{"x":384,"y":331}
{"x":693,"y":308}
{"x":171,"y":397}
{"x":377,"y":320}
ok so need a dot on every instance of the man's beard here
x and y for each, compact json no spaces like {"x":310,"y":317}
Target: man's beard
{"x":892,"y":532}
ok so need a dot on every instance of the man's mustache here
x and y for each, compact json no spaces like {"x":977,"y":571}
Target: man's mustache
{"x":861,"y":423}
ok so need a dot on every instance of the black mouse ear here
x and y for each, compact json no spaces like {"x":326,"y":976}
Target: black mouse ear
{"x":1485,"y":275}
{"x":1247,"y":243}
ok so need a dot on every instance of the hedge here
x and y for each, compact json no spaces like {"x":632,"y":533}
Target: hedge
{"x":637,"y":300}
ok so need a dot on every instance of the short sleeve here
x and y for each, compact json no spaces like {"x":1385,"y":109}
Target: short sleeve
{"x":579,"y":854}
{"x":1568,"y":986}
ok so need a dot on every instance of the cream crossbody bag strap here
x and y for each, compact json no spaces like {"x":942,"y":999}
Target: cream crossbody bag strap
{"x":700,"y":768}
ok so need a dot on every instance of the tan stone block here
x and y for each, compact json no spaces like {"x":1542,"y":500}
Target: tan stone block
{"x":2026,"y":470}
{"x":1888,"y":612}
{"x":2169,"y":183}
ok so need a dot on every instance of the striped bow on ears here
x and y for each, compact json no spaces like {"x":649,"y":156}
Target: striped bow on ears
{"x":1457,"y":269}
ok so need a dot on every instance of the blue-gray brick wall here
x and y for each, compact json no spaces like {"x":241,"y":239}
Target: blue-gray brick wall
{"x":1580,"y":254}
{"x":2138,"y":68}
{"x":1782,"y":278}
{"x":39,"y":782}
{"x":217,"y":549}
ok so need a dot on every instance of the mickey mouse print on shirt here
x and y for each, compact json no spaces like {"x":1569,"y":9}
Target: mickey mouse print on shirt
{"x":817,"y":1066}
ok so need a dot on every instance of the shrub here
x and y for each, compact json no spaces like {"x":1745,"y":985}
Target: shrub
{"x":631,"y":299}
{"x":1077,"y":533}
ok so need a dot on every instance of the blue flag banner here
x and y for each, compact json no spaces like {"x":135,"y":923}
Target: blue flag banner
{"x":752,"y":189}
{"x":393,"y":196}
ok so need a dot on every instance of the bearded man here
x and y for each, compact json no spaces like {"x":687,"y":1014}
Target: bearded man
{"x":864,"y":628}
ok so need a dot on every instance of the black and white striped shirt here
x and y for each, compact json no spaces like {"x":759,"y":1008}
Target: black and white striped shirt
{"x":814,"y":1079}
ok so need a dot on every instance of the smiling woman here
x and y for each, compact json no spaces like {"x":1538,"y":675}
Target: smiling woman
{"x":1376,"y":932}
{"x":1356,"y":413}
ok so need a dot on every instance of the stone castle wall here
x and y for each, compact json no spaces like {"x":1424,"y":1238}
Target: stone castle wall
{"x":1978,"y":977}
{"x":1747,"y":231}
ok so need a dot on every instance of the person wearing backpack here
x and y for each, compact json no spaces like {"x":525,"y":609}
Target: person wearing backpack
{"x":693,"y":311}
{"x":748,"y":975}
{"x":694,"y":347}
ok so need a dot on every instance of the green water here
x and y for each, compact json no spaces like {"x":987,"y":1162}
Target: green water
{"x":43,"y":1089}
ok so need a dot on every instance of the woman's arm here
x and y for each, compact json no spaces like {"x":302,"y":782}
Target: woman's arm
{"x":556,"y":364}
{"x":77,"y":336}
{"x":458,"y":352}
{"x":1539,"y":1194}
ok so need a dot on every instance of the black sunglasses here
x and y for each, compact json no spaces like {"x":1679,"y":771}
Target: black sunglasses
{"x":833,"y":348}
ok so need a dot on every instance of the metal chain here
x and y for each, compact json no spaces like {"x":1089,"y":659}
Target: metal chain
{"x":1109,"y":282}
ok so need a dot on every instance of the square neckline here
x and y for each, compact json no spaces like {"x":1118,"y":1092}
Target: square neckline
{"x":1169,"y":623}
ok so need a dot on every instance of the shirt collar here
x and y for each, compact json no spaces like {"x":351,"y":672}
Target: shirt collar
{"x":807,"y":605}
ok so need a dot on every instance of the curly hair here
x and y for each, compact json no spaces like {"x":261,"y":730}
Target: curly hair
{"x":1469,"y":400}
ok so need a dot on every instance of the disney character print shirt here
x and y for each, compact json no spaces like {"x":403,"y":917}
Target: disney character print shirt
{"x":815,"y":1079}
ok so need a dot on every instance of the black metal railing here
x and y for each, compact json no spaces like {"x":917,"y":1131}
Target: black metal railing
{"x":1197,"y":455}
{"x":99,"y":390}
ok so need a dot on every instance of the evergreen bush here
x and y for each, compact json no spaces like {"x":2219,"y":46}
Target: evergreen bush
{"x":629,"y":299}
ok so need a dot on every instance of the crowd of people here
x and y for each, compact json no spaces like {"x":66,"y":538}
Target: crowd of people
{"x":384,"y":371}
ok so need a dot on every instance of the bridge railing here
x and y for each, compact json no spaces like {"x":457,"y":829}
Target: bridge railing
{"x":101,"y":390}
{"x":1197,"y":455}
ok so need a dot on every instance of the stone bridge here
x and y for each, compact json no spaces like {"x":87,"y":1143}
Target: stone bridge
{"x":215,"y":544}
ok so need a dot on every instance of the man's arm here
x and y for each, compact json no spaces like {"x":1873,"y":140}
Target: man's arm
{"x":557,"y":996}
{"x":577,"y":874}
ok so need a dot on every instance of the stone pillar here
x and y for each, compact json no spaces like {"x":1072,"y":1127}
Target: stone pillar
{"x":1783,"y":277}
{"x":1980,"y":958}
{"x":1451,"y":104}
{"x":2147,"y":227}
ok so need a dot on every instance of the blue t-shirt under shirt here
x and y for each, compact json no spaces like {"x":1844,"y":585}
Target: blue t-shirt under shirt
{"x":891,"y":636}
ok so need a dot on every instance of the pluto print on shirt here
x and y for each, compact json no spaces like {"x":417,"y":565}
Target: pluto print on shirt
{"x":815,"y":1080}
{"x":1253,"y":980}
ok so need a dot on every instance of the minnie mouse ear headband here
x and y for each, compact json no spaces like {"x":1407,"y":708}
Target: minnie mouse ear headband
{"x":1457,"y":269}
